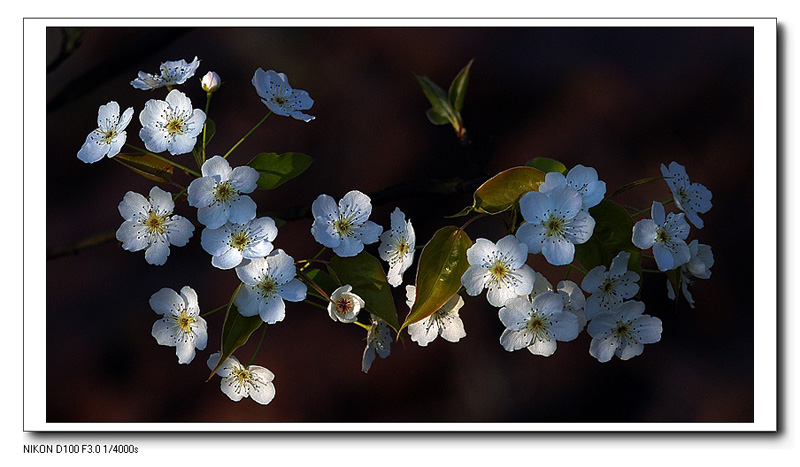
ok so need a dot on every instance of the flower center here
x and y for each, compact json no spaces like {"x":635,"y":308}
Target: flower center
{"x":498,"y":270}
{"x":538,"y":327}
{"x":240,"y":240}
{"x":607,"y":286}
{"x":343,"y":227}
{"x":176,"y":126}
{"x":242,"y":376}
{"x":185,"y":321}
{"x":554,"y":226}
{"x":344,"y":305}
{"x":662,"y":236}
{"x":267,"y":287}
{"x":623,"y":330}
{"x":403,"y":248}
{"x":224,"y":191}
{"x":108,"y":136}
{"x":155,"y":224}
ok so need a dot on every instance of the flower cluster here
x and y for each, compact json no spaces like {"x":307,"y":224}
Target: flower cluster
{"x":555,"y":219}
{"x":233,"y":234}
{"x":558,"y":219}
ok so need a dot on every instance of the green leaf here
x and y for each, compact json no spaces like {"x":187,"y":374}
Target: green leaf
{"x":441,"y":112}
{"x":442,"y":263}
{"x":612,"y":233}
{"x":504,"y":189}
{"x":275,"y":170}
{"x":364,"y":273}
{"x":322,"y":279}
{"x":458,"y":88}
{"x":235,"y":331}
{"x":461,"y":213}
{"x":437,"y":116}
{"x":147,"y":166}
{"x":211,"y":130}
{"x":545,"y":164}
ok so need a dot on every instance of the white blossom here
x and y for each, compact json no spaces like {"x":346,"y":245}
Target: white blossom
{"x":171,"y":72}
{"x":220,"y":195}
{"x":239,"y":382}
{"x":379,"y":341}
{"x":622,"y":331}
{"x":345,"y":305}
{"x":109,"y":136}
{"x":574,"y":301}
{"x":608,"y":289}
{"x":666,"y":235}
{"x":443,"y":322}
{"x":699,"y":266}
{"x":171,"y":125}
{"x":232,"y":243}
{"x":150,"y":225}
{"x":182,"y":326}
{"x":583,"y":179}
{"x":274,"y":90}
{"x":397,"y":247}
{"x":554,"y":223}
{"x":691,"y":198}
{"x":499,"y":268}
{"x":266,"y":283}
{"x":344,"y":227}
{"x":538,"y":324}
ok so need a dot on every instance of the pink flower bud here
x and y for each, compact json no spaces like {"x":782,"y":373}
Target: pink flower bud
{"x":210,"y":82}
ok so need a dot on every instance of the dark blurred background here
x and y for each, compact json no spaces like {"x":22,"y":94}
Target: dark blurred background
{"x":622,"y":100}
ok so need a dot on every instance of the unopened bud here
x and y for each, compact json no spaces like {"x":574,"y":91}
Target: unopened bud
{"x":210,"y":82}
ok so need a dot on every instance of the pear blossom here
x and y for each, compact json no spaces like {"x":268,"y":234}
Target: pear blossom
{"x":538,"y":324}
{"x":583,"y":179}
{"x":220,"y":194}
{"x":622,"y":331}
{"x":554,"y":223}
{"x":699,"y":266}
{"x":171,"y":125}
{"x":666,"y":234}
{"x":150,"y":225}
{"x":443,"y":322}
{"x":500,"y":268}
{"x":109,"y":136}
{"x":569,"y":291}
{"x":210,"y":82}
{"x":239,"y":382}
{"x":397,"y":247}
{"x":345,"y":305}
{"x":379,"y":341}
{"x":266,"y":283}
{"x":182,"y":326}
{"x":609,"y":288}
{"x":574,"y":301}
{"x":232,"y":243}
{"x":274,"y":90}
{"x":540,"y":285}
{"x":345,"y":227}
{"x":691,"y":198}
{"x":170,"y":73}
